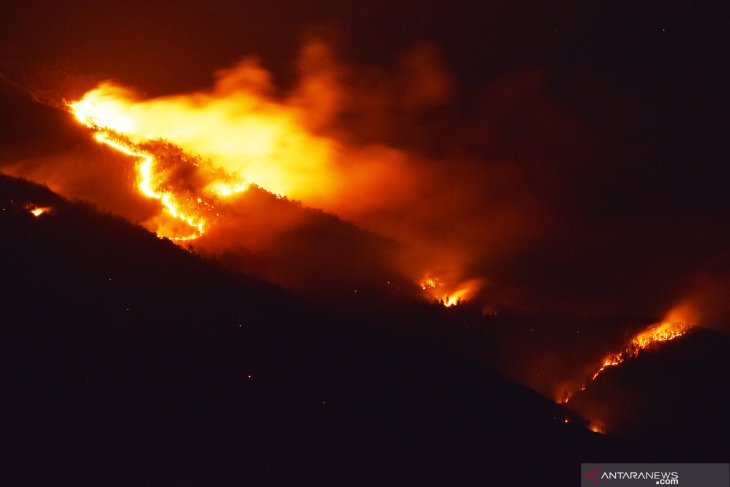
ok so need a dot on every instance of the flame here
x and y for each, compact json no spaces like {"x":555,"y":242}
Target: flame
{"x":597,"y":427}
{"x":104,"y":118}
{"x":146,"y":184}
{"x":37,"y":211}
{"x":243,"y":137}
{"x":244,"y":132}
{"x":657,"y":333}
{"x":227,"y":189}
{"x":248,"y":137}
{"x":429,"y":283}
{"x":448,"y":296}
{"x":676,"y":324}
{"x":456,"y":298}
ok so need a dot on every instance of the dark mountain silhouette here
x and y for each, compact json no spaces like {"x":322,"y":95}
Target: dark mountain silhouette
{"x":128,"y":360}
{"x":675,"y":393}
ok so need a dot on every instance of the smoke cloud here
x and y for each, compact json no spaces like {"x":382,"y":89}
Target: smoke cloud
{"x":501,"y":189}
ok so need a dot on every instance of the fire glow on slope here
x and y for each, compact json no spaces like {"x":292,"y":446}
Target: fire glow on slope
{"x":676,"y":324}
{"x":243,"y":132}
{"x":439,"y":292}
{"x":235,"y":127}
{"x":109,"y":126}
{"x":38,"y":211}
{"x":146,"y":185}
{"x":244,"y":137}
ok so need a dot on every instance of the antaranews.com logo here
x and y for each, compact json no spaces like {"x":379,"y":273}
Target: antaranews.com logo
{"x":638,"y":474}
{"x":662,"y":478}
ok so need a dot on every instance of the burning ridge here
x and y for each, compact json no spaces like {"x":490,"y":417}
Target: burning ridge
{"x":669,"y":329}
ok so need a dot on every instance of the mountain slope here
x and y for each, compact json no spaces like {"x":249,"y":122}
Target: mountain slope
{"x":674,"y":395}
{"x":307,"y":250}
{"x":131,"y":360}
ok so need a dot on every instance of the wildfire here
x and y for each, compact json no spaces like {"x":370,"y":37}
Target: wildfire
{"x":243,"y":136}
{"x":675,"y":325}
{"x":448,"y":297}
{"x":105,"y":121}
{"x":243,"y":132}
{"x":246,"y":137}
{"x":597,"y":427}
{"x":657,"y":333}
{"x":37,"y":211}
{"x":146,"y":183}
{"x":429,"y":283}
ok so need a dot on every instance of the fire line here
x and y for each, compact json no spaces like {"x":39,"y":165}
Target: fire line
{"x":145,"y":172}
{"x":664,"y":331}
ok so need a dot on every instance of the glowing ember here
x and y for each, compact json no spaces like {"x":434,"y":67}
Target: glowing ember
{"x":674,"y":326}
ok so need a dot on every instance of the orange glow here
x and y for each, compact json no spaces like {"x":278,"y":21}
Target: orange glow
{"x":429,"y":283}
{"x":37,"y":211}
{"x":676,"y":324}
{"x":449,"y":296}
{"x":226,"y":189}
{"x":240,"y":134}
{"x":147,"y":184}
{"x":197,"y":153}
{"x":657,"y":333}
{"x":245,"y":135}
{"x":597,"y":427}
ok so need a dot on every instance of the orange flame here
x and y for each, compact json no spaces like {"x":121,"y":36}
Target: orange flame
{"x":37,"y":211}
{"x":244,"y":134}
{"x":676,"y":324}
{"x":105,"y":120}
{"x":597,"y":427}
{"x":147,"y":186}
{"x":446,"y":295}
{"x":245,"y":137}
{"x":657,"y":333}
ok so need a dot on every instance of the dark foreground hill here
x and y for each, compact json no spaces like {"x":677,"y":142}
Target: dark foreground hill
{"x":675,"y":395}
{"x":129,"y":361}
{"x":672,"y":397}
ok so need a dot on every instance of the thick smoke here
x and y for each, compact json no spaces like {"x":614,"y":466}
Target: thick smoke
{"x":503,"y":189}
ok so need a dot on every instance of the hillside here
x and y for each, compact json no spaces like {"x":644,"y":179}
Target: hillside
{"x":673,"y":395}
{"x":131,"y":360}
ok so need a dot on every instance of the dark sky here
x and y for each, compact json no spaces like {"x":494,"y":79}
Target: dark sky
{"x":653,"y":76}
{"x":655,"y":44}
